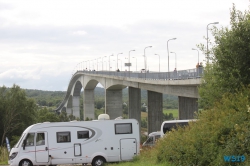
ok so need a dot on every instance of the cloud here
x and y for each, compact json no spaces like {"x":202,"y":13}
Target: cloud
{"x":43,"y":42}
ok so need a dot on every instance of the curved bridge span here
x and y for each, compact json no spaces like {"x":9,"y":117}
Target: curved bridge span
{"x":182,"y":84}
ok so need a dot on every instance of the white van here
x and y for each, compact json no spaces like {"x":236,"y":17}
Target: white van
{"x":172,"y":124}
{"x":77,"y":142}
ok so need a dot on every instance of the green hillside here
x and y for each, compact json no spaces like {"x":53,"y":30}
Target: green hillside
{"x":54,"y":98}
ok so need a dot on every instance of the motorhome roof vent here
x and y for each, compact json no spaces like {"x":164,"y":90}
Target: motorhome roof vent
{"x":103,"y":117}
{"x":119,"y":118}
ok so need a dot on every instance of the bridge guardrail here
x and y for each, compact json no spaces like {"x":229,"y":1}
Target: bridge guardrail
{"x":174,"y":75}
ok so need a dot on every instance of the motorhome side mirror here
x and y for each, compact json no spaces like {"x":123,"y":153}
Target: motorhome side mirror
{"x":24,"y":144}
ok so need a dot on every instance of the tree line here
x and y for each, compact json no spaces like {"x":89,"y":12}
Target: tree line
{"x":20,"y":108}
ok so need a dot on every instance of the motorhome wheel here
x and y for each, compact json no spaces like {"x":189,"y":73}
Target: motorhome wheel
{"x":25,"y":163}
{"x":98,"y":161}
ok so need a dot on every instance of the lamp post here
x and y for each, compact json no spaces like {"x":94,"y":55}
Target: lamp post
{"x":175,"y":60}
{"x":97,"y":64}
{"x":168,"y":54}
{"x":89,"y":64}
{"x":145,"y":63}
{"x":207,"y":39}
{"x":159,"y":62}
{"x":198,"y":54}
{"x":129,"y":60}
{"x":93,"y":64}
{"x":117,"y":60}
{"x":106,"y":65}
{"x":109,"y":61}
{"x":121,"y":63}
{"x":136,"y":62}
{"x":102,"y":62}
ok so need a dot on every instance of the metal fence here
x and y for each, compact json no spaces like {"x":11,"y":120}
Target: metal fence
{"x":174,"y":75}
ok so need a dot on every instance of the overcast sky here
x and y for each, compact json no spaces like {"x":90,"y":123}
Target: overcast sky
{"x":42,"y":41}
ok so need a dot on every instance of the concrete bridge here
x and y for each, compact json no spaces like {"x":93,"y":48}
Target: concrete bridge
{"x":179,"y":83}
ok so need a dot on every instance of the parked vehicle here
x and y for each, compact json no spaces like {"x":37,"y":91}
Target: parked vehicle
{"x":166,"y":126}
{"x":77,"y":142}
{"x":152,"y":138}
{"x":172,"y":124}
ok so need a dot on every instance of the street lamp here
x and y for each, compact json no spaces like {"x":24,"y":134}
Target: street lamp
{"x":129,"y":61}
{"x":121,"y":63}
{"x":102,"y":62}
{"x":168,"y":54}
{"x":89,"y":64}
{"x":135,"y":63}
{"x":117,"y":60}
{"x":175,"y":60}
{"x":207,"y":39}
{"x":198,"y":54}
{"x":109,"y":60}
{"x":145,"y":63}
{"x":159,"y":61}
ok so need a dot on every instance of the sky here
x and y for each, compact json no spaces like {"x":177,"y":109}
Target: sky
{"x":43,"y":42}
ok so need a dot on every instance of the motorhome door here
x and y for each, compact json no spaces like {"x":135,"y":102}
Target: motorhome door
{"x":42,"y":149}
{"x":128,"y":148}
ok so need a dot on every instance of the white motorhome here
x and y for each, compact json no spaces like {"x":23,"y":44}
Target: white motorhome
{"x":77,"y":142}
{"x":172,"y":124}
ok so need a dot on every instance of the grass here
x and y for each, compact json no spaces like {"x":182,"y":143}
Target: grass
{"x":175,"y":112}
{"x":4,"y":155}
{"x":147,"y":157}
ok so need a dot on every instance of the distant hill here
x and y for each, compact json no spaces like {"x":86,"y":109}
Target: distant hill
{"x":54,"y":98}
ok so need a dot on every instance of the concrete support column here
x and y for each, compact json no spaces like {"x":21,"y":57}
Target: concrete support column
{"x":89,"y":104}
{"x":154,"y":111}
{"x":113,"y":103}
{"x":69,"y":106}
{"x":69,"y":111}
{"x":187,"y":107}
{"x":134,"y":108}
{"x":76,"y":106}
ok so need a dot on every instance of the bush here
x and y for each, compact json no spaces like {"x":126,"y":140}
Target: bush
{"x":221,"y":131}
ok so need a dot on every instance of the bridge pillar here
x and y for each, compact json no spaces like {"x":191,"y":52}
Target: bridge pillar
{"x":69,"y":106}
{"x":187,"y":107}
{"x":89,"y":104}
{"x":113,"y":103}
{"x":154,"y":111}
{"x":134,"y":109}
{"x":76,"y":106}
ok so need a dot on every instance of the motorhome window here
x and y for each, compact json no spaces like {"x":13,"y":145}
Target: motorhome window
{"x":123,"y":128}
{"x":63,"y":137}
{"x":170,"y":126}
{"x":30,"y":139}
{"x":82,"y":134}
{"x":40,"y":139}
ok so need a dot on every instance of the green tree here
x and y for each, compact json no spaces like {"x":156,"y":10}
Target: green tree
{"x":17,"y":111}
{"x":230,"y":67}
{"x":44,"y":115}
{"x":99,"y":104}
{"x":63,"y":117}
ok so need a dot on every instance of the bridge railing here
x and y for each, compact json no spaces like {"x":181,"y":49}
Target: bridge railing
{"x":174,"y":75}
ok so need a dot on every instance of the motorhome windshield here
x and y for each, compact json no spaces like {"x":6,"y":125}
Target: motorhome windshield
{"x":21,"y":138}
{"x":170,"y":126}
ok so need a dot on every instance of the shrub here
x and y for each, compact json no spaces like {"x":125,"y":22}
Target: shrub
{"x":223,"y":130}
